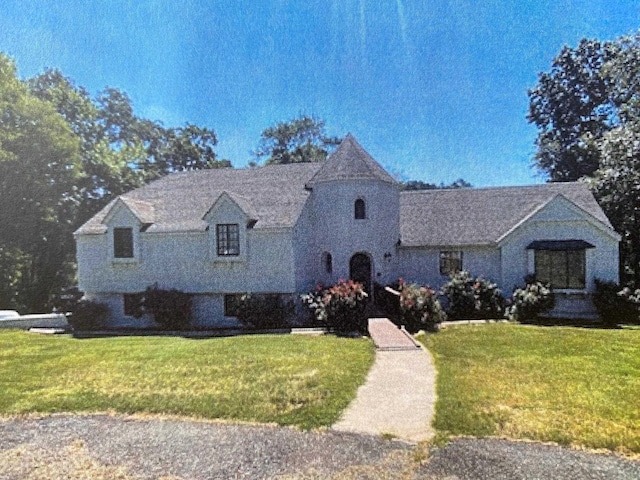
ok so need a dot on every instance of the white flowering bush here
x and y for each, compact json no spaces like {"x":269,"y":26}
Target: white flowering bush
{"x":529,"y":302}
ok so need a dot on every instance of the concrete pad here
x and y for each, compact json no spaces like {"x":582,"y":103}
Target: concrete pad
{"x":398,"y":397}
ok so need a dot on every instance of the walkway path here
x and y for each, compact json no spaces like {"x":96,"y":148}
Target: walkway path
{"x":398,"y":397}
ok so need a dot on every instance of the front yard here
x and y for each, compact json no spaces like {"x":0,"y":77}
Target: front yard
{"x":288,"y":380}
{"x":567,"y":385}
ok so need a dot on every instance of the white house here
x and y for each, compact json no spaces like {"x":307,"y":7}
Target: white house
{"x":284,"y":228}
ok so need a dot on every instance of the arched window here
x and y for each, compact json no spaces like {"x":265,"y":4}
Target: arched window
{"x":327,"y":260}
{"x":360,"y":209}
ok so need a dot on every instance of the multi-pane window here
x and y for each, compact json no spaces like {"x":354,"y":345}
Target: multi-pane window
{"x":123,"y":242}
{"x":561,"y":268}
{"x":360,"y":209}
{"x":450,"y":262}
{"x":228,"y":238}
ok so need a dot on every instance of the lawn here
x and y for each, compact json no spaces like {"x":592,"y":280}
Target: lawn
{"x":285,"y":379}
{"x":567,"y":385}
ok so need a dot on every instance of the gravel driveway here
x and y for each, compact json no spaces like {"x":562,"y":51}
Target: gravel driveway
{"x":120,"y":447}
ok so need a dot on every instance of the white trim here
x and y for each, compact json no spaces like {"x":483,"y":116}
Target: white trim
{"x":588,"y":217}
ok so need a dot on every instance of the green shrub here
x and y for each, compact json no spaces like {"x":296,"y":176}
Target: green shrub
{"x":419,"y":307}
{"x":341,"y":306}
{"x":264,"y":310}
{"x":470,"y":297}
{"x":529,"y":302}
{"x":171,"y":309}
{"x":614,"y":303}
{"x":88,"y":315}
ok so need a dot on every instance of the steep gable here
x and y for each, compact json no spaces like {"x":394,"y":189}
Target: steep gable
{"x":351,"y":162}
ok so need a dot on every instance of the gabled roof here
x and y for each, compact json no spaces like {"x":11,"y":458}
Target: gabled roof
{"x":350,"y":162}
{"x":243,"y":204}
{"x":482,"y":216}
{"x":276,"y":195}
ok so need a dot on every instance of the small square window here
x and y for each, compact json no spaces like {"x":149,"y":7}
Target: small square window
{"x":231,"y":304}
{"x":132,"y":303}
{"x":228,"y":239}
{"x":450,"y":262}
{"x":123,"y":242}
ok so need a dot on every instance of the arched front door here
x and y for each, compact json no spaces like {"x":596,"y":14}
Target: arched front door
{"x":360,"y":270}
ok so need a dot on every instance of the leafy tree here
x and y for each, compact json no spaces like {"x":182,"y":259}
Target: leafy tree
{"x":39,"y":165}
{"x":587,"y":110}
{"x":616,"y":185}
{"x":572,"y":102}
{"x":63,"y":156}
{"x":420,"y":185}
{"x":301,"y":139}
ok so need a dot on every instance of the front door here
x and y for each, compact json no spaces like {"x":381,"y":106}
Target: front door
{"x":360,"y":270}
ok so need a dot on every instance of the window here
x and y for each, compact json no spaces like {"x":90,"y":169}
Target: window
{"x":132,"y":303}
{"x":450,"y":262}
{"x":231,"y":305}
{"x":123,"y":242}
{"x":561,"y":268}
{"x":328,"y":262}
{"x":228,"y":238}
{"x":360,"y":210}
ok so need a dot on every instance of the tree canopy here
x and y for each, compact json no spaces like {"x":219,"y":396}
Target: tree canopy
{"x":63,"y":155}
{"x":420,"y":185}
{"x":302,"y":139}
{"x":587,"y":110}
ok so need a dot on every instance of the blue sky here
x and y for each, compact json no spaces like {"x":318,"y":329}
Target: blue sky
{"x":433,"y":89}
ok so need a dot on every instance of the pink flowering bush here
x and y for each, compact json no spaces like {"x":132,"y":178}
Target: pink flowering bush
{"x":341,"y":306}
{"x":419,"y":307}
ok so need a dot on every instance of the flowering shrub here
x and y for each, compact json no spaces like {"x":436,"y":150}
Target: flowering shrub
{"x":529,"y":302}
{"x":470,"y":297}
{"x":615,"y":304}
{"x":341,"y":306}
{"x":419,"y":307}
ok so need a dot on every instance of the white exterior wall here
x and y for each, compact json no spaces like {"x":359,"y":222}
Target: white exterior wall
{"x":187,"y":262}
{"x":422,"y":265}
{"x":562,"y":221}
{"x":336,"y":231}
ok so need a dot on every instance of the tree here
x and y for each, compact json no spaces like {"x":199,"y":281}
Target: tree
{"x":587,"y":110}
{"x":616,"y":185}
{"x":63,"y":156}
{"x":571,"y":103}
{"x":39,"y":165}
{"x":301,"y":139}
{"x":420,"y":185}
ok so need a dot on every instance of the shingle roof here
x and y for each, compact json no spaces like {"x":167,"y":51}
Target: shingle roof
{"x":351,"y":162}
{"x":274,"y":194}
{"x":480,"y":216}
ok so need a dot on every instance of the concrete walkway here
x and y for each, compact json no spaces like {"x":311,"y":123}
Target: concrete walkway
{"x":398,"y":396}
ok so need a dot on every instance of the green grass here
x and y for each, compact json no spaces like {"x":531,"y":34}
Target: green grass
{"x":287,"y":379}
{"x":567,"y":385}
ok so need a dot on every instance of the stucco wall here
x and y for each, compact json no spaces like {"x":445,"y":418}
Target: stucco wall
{"x":422,"y":265}
{"x":336,"y":231}
{"x":560,"y":221}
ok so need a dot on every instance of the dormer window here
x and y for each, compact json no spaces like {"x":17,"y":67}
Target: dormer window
{"x":123,"y":242}
{"x":228,"y":239}
{"x":360,"y":210}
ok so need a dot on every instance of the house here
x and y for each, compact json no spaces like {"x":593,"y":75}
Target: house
{"x":284,"y":228}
